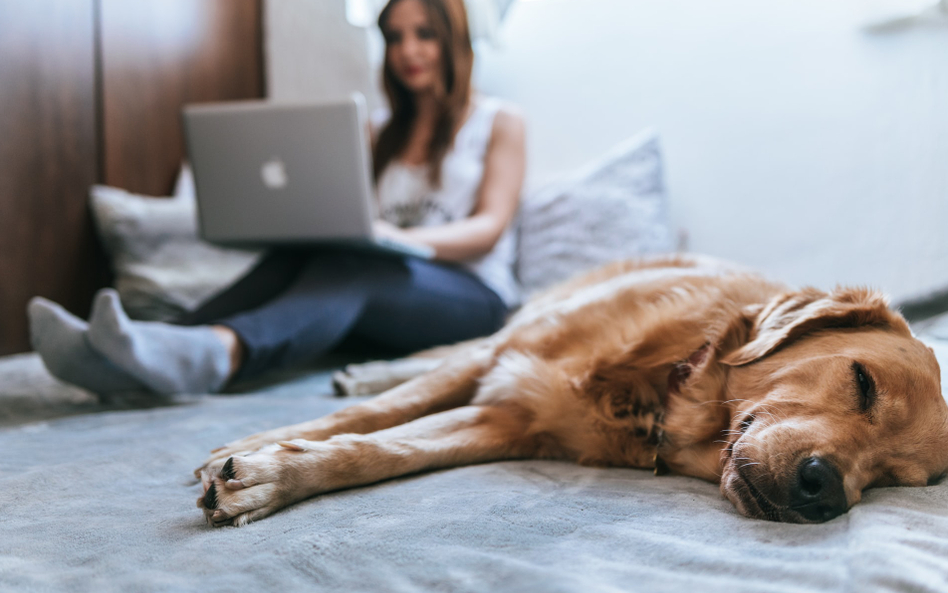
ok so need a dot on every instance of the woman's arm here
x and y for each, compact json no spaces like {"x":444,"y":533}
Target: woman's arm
{"x":498,"y":198}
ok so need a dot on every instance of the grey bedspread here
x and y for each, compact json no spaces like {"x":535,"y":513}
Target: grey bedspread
{"x":101,"y":498}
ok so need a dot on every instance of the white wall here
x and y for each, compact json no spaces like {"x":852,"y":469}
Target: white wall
{"x":794,"y":142}
{"x":313,"y":53}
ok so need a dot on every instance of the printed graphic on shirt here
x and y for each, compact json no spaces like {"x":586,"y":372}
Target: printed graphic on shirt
{"x":425,"y":211}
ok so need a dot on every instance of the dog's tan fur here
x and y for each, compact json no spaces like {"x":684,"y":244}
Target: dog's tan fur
{"x":687,"y":363}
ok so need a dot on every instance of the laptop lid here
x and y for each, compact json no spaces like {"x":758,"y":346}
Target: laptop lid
{"x":269,"y":173}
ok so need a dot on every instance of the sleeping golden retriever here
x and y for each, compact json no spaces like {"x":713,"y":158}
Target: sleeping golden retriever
{"x":794,"y":401}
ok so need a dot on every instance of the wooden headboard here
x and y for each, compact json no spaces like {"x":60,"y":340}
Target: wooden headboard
{"x":91,"y":92}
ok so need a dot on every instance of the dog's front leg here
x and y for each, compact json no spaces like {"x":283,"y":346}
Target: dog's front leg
{"x":451,"y":385}
{"x":241,"y":489}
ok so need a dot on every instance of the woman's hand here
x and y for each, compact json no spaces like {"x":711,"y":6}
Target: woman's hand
{"x":386,"y":230}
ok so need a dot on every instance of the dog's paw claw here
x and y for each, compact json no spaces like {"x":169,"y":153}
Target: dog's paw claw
{"x":341,"y":384}
{"x":210,"y":497}
{"x":227,"y":472}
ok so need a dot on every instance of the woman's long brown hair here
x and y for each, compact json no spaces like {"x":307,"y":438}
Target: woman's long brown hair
{"x":449,"y":22}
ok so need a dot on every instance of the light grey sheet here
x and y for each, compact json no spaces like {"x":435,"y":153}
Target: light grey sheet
{"x":100,"y":498}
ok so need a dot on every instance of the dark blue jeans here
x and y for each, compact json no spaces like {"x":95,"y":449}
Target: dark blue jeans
{"x":296,"y":305}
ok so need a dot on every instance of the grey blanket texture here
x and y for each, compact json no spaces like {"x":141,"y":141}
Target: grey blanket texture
{"x":100,"y":497}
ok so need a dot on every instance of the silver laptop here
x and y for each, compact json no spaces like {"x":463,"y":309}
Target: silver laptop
{"x":283,"y":174}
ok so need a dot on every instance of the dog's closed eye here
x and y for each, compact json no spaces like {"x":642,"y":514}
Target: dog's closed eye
{"x":745,"y":423}
{"x":865,"y":387}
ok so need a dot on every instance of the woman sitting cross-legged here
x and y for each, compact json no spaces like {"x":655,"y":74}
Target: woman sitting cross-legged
{"x":448,"y":167}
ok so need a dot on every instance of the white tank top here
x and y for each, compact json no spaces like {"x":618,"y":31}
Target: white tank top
{"x":406,"y":198}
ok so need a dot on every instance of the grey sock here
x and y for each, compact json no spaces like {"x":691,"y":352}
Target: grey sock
{"x":61,"y":341}
{"x":167,"y":358}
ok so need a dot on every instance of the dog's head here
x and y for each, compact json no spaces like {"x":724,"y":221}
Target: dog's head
{"x":832,"y":396}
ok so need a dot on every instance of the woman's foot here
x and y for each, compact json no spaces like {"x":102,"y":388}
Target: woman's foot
{"x":166,"y":358}
{"x":61,"y":341}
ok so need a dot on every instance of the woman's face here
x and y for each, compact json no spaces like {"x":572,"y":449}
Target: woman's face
{"x":412,"y":50}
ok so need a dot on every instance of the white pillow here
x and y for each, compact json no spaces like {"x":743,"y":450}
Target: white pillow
{"x":613,"y":208}
{"x":162,"y":268}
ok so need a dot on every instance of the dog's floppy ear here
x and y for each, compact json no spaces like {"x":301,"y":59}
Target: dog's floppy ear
{"x":790,"y":315}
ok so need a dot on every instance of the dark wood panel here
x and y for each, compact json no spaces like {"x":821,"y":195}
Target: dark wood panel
{"x":47,"y":159}
{"x":91,"y":92}
{"x":158,"y":55}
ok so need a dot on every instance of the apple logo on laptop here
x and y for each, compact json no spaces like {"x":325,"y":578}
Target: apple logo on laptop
{"x":273,"y":173}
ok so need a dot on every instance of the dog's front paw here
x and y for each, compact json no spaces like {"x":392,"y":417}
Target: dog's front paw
{"x":244,"y":488}
{"x":241,"y":447}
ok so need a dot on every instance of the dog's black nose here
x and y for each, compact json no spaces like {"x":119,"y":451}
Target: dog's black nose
{"x":818,"y":493}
